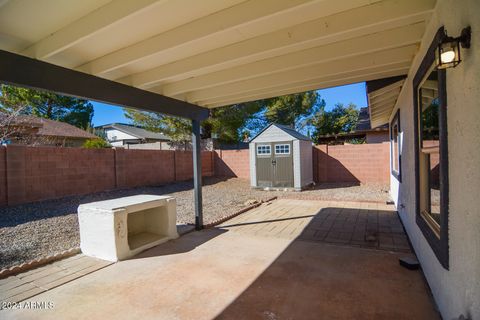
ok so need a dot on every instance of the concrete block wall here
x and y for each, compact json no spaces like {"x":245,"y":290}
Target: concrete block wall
{"x":38,"y":173}
{"x":365,"y":163}
{"x":232,"y":163}
{"x":30,"y":174}
{"x":183,"y":165}
{"x":45,"y":173}
{"x":136,"y":168}
{"x":208,"y":163}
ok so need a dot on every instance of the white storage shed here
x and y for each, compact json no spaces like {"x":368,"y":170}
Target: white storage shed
{"x":280,"y":158}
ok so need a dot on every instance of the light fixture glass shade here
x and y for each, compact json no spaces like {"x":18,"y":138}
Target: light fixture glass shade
{"x":448,"y":54}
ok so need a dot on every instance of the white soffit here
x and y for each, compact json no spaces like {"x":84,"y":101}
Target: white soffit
{"x":219,"y":52}
{"x":382,"y":101}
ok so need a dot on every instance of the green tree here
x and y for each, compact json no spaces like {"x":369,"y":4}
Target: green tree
{"x":339,"y":119}
{"x":178,"y":129}
{"x":292,"y":109}
{"x":231,"y":124}
{"x":226,"y":123}
{"x":75,"y":111}
{"x":95,"y":144}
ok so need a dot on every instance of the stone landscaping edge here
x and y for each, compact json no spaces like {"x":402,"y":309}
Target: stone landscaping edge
{"x":233,"y":215}
{"x":38,"y":262}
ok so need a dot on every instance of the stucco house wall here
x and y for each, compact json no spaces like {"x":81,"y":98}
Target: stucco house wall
{"x":456,"y":291}
{"x":117,"y":137}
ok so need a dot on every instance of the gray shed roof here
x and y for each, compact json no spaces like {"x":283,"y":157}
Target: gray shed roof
{"x":290,"y":131}
{"x":136,"y":131}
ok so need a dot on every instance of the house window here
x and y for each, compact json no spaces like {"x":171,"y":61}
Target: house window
{"x":431,"y":153}
{"x":282,"y":149}
{"x":395,"y":147}
{"x":264,"y":149}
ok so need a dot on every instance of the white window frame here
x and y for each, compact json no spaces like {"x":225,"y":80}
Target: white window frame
{"x":282,"y":145}
{"x":266,"y":146}
{"x":396,"y":150}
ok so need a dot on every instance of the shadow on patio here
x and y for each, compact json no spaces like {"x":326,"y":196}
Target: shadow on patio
{"x":273,"y":262}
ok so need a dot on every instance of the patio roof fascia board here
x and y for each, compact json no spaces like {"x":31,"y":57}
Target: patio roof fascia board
{"x":27,"y":72}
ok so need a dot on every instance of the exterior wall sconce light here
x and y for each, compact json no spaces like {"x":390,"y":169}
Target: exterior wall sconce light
{"x":448,"y":52}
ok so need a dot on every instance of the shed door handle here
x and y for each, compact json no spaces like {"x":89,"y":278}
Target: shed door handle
{"x":274,"y":162}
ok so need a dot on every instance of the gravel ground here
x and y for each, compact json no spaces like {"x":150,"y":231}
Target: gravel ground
{"x":35,"y":230}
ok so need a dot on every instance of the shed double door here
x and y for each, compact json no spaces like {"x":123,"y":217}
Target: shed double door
{"x":274,"y":164}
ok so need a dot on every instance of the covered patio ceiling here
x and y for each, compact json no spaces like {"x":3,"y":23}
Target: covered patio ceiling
{"x":212,"y":53}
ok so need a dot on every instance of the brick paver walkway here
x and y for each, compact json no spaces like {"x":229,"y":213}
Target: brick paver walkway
{"x":369,"y":225}
{"x":28,"y":284}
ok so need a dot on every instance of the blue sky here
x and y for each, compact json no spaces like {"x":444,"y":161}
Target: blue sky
{"x":353,"y":93}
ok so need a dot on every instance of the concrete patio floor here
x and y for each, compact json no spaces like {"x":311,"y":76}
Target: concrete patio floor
{"x":264,"y":264}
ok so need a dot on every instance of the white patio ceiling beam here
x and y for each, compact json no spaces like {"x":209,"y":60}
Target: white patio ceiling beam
{"x":363,"y":62}
{"x":87,"y":26}
{"x":398,"y":67}
{"x":310,"y":85}
{"x":247,"y":19}
{"x":336,"y":27}
{"x":367,"y":44}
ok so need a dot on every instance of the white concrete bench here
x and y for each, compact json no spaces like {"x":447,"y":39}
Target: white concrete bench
{"x":121,"y":228}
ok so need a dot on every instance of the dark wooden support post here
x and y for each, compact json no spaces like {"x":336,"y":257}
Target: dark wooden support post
{"x":197,"y":174}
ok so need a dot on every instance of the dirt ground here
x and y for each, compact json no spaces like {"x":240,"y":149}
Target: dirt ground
{"x":34,"y":230}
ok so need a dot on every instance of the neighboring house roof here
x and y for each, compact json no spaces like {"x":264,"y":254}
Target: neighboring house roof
{"x":290,"y":131}
{"x":136,"y":131}
{"x":52,"y":128}
{"x":363,"y":123}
